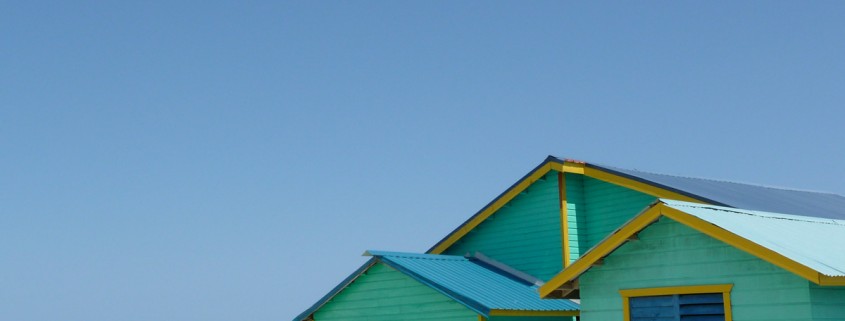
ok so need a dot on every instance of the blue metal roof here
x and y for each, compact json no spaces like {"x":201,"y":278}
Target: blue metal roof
{"x":470,"y":281}
{"x":739,"y":195}
{"x":813,"y":242}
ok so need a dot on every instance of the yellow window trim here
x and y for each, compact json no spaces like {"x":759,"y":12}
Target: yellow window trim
{"x":565,"y":167}
{"x":653,"y":213}
{"x":524,"y":313}
{"x":725,"y":289}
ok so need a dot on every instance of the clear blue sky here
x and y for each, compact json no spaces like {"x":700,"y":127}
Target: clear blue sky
{"x":232,"y":160}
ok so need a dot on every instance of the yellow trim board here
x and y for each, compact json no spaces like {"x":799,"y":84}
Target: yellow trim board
{"x":524,"y":313}
{"x":657,"y":210}
{"x":564,"y":218}
{"x":725,"y":289}
{"x":490,"y":209}
{"x":832,"y":280}
{"x":601,"y":250}
{"x":565,"y":167}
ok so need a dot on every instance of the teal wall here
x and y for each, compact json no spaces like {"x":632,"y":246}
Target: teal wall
{"x":609,"y":206}
{"x":576,"y":213}
{"x":596,"y":208}
{"x":524,"y":234}
{"x":671,"y":254}
{"x":386,"y":294}
{"x":828,"y":302}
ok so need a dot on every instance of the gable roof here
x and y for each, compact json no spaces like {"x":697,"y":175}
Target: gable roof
{"x":745,"y":196}
{"x":806,"y":246}
{"x":483,"y":286}
{"x":706,"y":191}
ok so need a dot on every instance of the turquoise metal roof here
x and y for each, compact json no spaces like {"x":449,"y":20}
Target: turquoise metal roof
{"x":813,"y":242}
{"x":479,"y":285}
{"x":731,"y":194}
{"x":473,"y":279}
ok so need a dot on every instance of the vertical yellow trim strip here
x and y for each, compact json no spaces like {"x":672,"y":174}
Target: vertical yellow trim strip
{"x":564,"y":218}
{"x":481,"y":318}
{"x":626,"y":308}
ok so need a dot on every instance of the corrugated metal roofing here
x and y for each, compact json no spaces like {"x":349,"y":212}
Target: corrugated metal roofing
{"x":813,"y":242}
{"x":470,"y":281}
{"x":473,"y":280}
{"x":739,"y":195}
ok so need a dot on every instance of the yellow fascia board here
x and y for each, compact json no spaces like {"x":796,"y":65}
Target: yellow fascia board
{"x":565,"y":167}
{"x":601,"y":250}
{"x":492,"y":208}
{"x":636,"y":185}
{"x":523,"y":313}
{"x":832,"y":280}
{"x":650,"y":215}
{"x":743,"y":244}
{"x":725,"y":289}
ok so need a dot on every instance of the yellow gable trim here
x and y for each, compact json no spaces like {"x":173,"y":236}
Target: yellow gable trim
{"x":492,"y":208}
{"x":599,"y":251}
{"x":565,"y":167}
{"x":653,"y":213}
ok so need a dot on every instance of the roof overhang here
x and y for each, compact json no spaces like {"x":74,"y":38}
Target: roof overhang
{"x":567,"y":280}
{"x":552,"y":163}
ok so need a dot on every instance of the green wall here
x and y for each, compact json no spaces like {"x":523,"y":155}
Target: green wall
{"x":596,"y":208}
{"x":386,"y":294}
{"x":609,"y":206}
{"x":524,"y":234}
{"x":828,"y":302}
{"x":671,"y":254}
{"x":576,"y":214}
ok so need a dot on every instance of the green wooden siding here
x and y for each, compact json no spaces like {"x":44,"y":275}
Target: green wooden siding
{"x":383,"y":293}
{"x":524,"y":234}
{"x":828,"y":302}
{"x":608,"y":207}
{"x":531,"y":319}
{"x":596,"y":208}
{"x":576,"y":213}
{"x":671,"y":254}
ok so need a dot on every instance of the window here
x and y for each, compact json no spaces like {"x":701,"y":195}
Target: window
{"x":687,"y":303}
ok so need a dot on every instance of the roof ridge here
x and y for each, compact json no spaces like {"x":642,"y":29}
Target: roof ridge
{"x":425,"y":256}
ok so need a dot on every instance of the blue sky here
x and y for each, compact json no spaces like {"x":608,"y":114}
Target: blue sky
{"x":232,"y":160}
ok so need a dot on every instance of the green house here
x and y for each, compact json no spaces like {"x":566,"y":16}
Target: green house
{"x":703,"y":262}
{"x":408,"y":286}
{"x":547,"y":224}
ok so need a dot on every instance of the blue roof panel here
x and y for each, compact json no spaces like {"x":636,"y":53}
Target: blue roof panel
{"x":475,"y":281}
{"x":739,"y":195}
{"x":470,"y":281}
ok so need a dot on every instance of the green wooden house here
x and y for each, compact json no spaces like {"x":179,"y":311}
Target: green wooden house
{"x":548,"y":222}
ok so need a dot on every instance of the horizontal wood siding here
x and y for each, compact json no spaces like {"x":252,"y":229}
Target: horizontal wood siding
{"x":576,"y":211}
{"x":524,"y":234}
{"x":671,"y":254}
{"x":608,"y":206}
{"x":384,"y":294}
{"x":828,"y":302}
